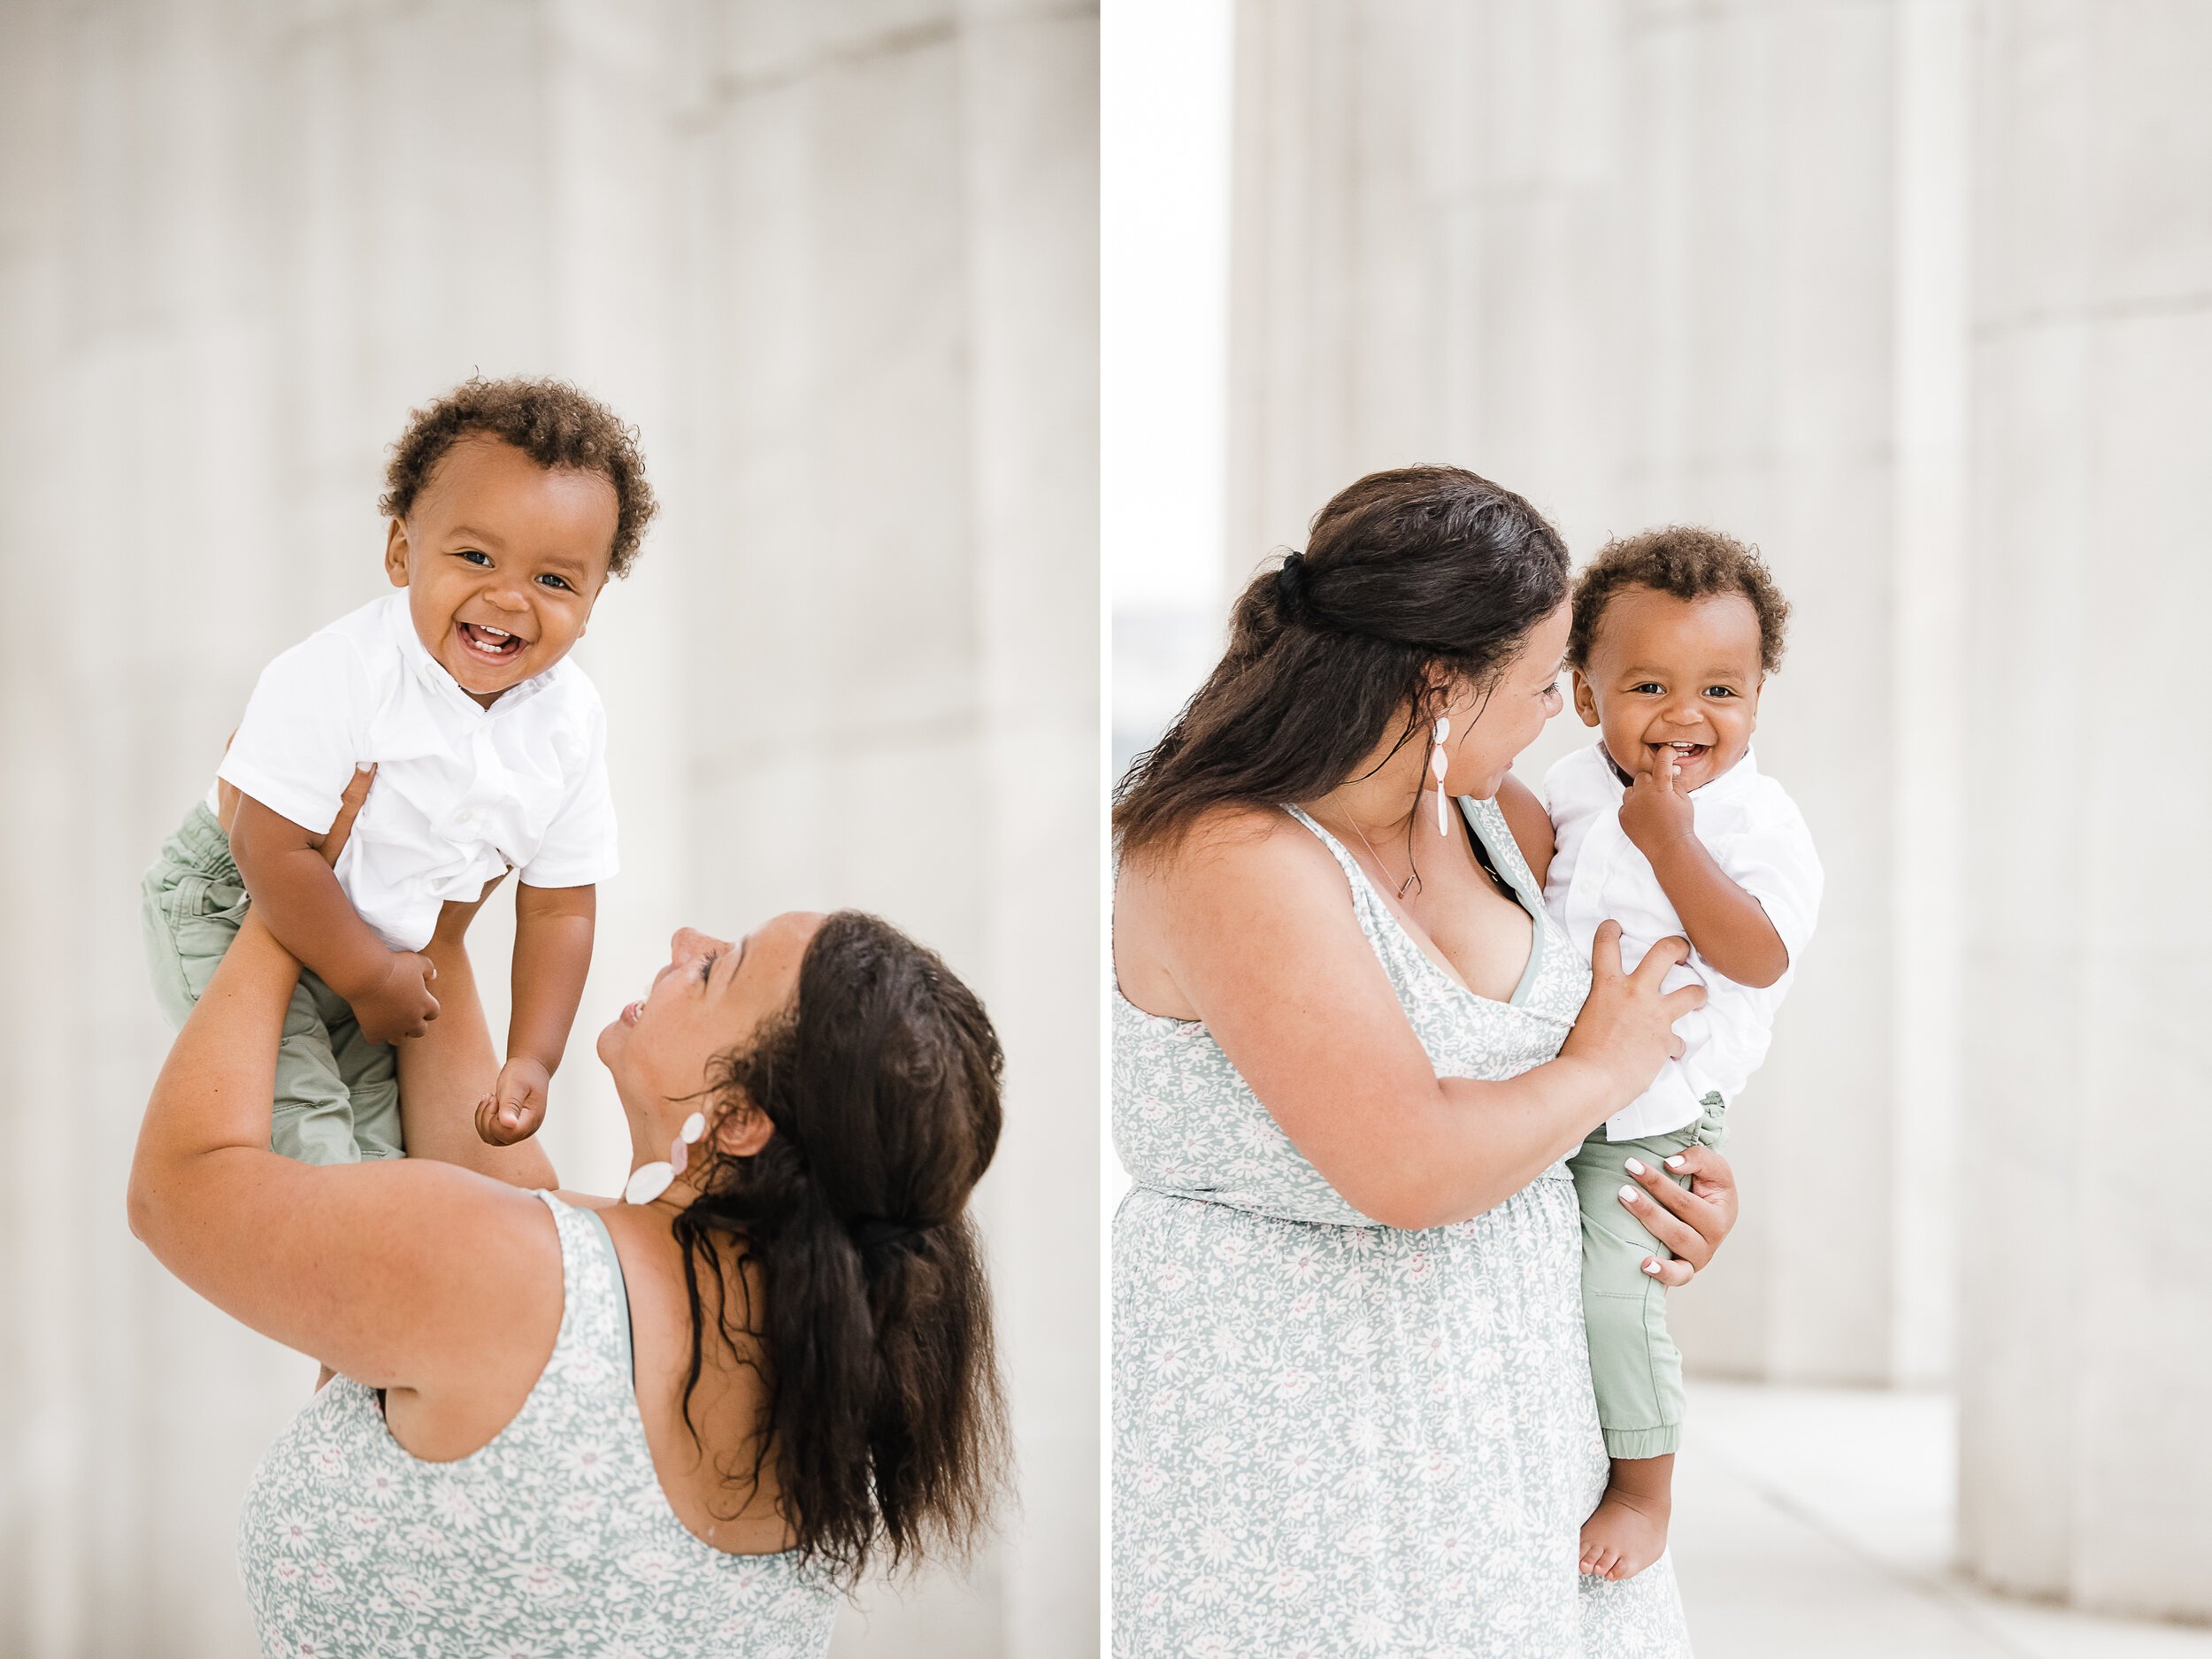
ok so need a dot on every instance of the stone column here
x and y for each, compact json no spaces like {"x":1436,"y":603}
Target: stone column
{"x":837,"y":264}
{"x":1650,"y":262}
{"x":2087,"y":1368}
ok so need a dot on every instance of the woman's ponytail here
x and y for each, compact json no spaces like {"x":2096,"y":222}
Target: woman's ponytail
{"x":883,"y":1416}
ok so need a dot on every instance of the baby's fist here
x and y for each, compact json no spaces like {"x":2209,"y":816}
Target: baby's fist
{"x":515,"y":1106}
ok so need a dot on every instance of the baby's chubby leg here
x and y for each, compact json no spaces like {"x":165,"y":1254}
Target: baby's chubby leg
{"x":1635,"y":1368}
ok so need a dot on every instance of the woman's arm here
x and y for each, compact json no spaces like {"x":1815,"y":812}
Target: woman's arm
{"x":378,"y":1269}
{"x":1253,"y":925}
{"x":1251,"y":922}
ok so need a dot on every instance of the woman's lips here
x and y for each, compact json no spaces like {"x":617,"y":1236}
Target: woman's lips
{"x":632,"y":1012}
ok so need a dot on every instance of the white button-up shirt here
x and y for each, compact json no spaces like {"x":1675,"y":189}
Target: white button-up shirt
{"x":462,"y":792}
{"x":1758,"y":837}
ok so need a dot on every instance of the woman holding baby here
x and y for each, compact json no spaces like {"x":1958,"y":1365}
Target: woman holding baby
{"x":565,"y":1423}
{"x":681,"y":1423}
{"x":1353,"y":1410}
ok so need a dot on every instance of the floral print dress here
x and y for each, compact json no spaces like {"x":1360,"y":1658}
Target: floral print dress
{"x":554,"y":1539}
{"x":1333,"y":1437}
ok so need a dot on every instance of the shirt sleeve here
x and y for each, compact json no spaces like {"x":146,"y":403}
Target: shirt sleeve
{"x":1774,"y":862}
{"x":579,"y":847}
{"x":303,"y":731}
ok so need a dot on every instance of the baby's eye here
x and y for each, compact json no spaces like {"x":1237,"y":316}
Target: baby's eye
{"x":1650,"y":685}
{"x":474,"y":557}
{"x":1720,"y":691}
{"x":557,"y":581}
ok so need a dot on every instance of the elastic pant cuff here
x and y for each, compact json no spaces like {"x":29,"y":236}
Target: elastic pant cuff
{"x":1632,"y":1443}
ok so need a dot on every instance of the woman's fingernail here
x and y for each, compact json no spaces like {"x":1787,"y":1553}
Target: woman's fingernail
{"x":1630,"y":1194}
{"x":1633,"y":1168}
{"x":1675,"y":1162}
{"x":1652,"y":1268}
{"x":363,"y":766}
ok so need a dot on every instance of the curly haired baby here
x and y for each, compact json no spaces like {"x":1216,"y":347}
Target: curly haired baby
{"x":510,"y":503}
{"x":1667,"y":825}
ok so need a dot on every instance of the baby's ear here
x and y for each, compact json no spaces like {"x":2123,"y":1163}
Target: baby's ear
{"x":396,"y":553}
{"x":1586,"y":699}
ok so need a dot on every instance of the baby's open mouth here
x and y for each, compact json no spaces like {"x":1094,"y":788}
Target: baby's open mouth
{"x":493,"y":645}
{"x":1683,"y":753}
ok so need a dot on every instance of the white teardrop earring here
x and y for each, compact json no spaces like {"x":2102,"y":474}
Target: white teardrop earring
{"x":649,"y":1181}
{"x":1438,"y":767}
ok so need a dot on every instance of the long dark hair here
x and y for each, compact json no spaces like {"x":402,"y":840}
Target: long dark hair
{"x":1405,"y":573}
{"x":883,"y":1414}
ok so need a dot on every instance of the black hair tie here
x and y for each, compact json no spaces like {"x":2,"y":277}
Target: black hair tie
{"x":875,"y":1232}
{"x":1290,"y":586}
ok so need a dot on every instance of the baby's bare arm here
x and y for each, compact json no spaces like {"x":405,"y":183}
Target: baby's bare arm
{"x":302,"y":903}
{"x":1727,"y":925}
{"x":553,"y":935}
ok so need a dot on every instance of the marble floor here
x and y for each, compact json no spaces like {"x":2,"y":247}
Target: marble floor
{"x":1812,"y":1523}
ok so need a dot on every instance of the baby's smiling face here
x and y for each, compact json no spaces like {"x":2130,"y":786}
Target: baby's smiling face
{"x":1673,"y":676}
{"x":501,"y":560}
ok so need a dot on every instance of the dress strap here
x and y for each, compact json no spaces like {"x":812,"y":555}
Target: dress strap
{"x":595,"y":1299}
{"x":1501,"y":853}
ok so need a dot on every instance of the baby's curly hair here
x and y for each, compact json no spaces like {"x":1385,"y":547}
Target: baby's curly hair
{"x":1689,"y":561}
{"x":550,"y":421}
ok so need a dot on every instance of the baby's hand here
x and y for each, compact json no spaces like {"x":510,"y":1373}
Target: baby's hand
{"x":515,"y":1106}
{"x":1654,"y":813}
{"x":399,"y":1004}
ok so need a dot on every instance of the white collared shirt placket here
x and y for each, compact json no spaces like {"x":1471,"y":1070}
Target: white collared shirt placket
{"x":464,"y":792}
{"x":1599,"y":873}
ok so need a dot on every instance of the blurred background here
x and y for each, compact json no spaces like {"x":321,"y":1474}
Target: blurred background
{"x":1916,"y":295}
{"x":838,"y":265}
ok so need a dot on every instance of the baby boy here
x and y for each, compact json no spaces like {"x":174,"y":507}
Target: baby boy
{"x":1667,"y":825}
{"x":511,"y":504}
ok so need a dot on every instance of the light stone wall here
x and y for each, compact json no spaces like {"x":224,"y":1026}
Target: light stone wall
{"x":2086,"y":1344}
{"x":1649,"y":263}
{"x":839,"y":265}
{"x":1913,"y":295}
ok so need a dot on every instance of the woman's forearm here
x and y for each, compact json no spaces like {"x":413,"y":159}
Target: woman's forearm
{"x":1479,"y":1142}
{"x":215,"y":1092}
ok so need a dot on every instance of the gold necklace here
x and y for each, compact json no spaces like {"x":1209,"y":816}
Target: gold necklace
{"x":1377,"y":857}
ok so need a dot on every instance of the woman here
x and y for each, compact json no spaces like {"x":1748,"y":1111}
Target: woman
{"x":1352,"y":1403}
{"x":565,"y":1425}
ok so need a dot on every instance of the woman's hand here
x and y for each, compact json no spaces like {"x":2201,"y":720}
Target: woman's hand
{"x":1626,"y":1026}
{"x":1691,"y":1223}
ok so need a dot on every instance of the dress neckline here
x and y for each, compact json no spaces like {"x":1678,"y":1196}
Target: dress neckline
{"x":1473,"y":821}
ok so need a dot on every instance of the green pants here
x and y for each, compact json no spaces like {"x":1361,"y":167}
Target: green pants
{"x":1634,"y":1364}
{"x":337,"y":1093}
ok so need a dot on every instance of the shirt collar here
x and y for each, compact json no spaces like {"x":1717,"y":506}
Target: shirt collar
{"x":399,"y":626}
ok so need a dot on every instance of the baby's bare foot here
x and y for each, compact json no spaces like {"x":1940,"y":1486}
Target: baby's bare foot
{"x":1625,"y":1534}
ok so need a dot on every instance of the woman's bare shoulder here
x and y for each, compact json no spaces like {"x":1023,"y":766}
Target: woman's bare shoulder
{"x":1233,"y":840}
{"x":1235,"y":866}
